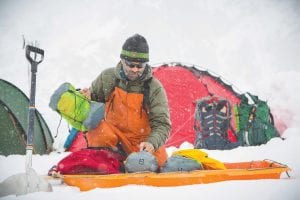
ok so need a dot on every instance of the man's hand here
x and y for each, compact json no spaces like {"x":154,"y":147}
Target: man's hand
{"x":86,"y":92}
{"x":146,"y":146}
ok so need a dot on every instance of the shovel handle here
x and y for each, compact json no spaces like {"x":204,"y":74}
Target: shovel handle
{"x":36,"y":59}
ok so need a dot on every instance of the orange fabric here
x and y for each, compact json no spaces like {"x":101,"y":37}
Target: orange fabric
{"x":126,"y":122}
{"x":161,"y":155}
{"x":102,"y":136}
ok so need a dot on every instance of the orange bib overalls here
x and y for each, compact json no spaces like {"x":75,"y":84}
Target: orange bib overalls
{"x":126,"y":122}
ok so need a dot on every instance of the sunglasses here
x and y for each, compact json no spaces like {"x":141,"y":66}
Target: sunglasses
{"x":135,"y":64}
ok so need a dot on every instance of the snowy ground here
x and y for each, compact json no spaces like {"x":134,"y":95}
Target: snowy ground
{"x":253,"y":44}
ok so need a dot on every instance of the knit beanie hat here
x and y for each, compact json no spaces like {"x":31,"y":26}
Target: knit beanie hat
{"x":135,"y":49}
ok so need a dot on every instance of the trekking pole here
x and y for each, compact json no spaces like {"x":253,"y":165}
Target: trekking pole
{"x":35,"y":56}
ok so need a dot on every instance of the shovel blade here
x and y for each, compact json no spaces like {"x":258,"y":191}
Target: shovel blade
{"x":24,"y":183}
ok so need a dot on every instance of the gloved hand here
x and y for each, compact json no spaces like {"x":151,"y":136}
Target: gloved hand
{"x":86,"y":92}
{"x":147,"y":146}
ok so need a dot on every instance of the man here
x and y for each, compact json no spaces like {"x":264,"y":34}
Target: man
{"x":136,"y":109}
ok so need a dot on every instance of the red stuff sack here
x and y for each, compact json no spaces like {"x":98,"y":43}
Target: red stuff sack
{"x":92,"y":161}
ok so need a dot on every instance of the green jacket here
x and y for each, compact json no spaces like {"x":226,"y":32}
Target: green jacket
{"x":158,"y":109}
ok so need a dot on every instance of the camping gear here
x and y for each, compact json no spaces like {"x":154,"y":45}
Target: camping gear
{"x":179,"y":163}
{"x":71,"y":137}
{"x":212,"y":124}
{"x":23,"y":183}
{"x":78,"y":143}
{"x":14,"y":123}
{"x":92,"y":161}
{"x":252,"y":170}
{"x":184,"y":85}
{"x":142,"y":161}
{"x":201,"y":157}
{"x":29,"y":182}
{"x":256,"y":124}
{"x":77,"y":109}
{"x":37,"y":59}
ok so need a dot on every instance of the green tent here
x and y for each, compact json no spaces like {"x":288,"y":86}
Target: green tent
{"x":14,"y":122}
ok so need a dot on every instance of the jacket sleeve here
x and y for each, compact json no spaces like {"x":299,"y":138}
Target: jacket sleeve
{"x":96,"y":89}
{"x":102,"y":86}
{"x":159,"y":117}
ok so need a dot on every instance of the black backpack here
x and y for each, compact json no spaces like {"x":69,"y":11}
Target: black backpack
{"x":212,"y":123}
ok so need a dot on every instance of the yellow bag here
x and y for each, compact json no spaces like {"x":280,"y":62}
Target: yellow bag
{"x":201,"y":157}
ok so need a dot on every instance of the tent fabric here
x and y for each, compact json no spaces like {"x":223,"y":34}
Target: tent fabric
{"x":185,"y":85}
{"x":14,"y":122}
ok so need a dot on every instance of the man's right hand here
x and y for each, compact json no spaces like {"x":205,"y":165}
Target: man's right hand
{"x":147,"y":146}
{"x":86,"y":92}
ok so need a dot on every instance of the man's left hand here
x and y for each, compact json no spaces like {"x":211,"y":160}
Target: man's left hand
{"x":146,"y":146}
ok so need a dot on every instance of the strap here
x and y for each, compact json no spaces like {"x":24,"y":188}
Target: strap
{"x":146,"y":94}
{"x":251,"y":117}
{"x":116,"y":84}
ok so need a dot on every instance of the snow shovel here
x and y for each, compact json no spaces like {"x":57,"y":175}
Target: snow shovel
{"x":20,"y":184}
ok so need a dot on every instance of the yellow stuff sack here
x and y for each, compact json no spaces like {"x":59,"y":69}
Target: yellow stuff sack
{"x":201,"y":157}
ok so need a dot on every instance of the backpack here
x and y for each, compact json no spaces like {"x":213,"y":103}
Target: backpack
{"x":75,"y":108}
{"x":256,"y":124}
{"x":212,"y":124}
{"x":92,"y":161}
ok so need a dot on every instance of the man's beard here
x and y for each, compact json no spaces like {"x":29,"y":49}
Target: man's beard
{"x":133,"y":76}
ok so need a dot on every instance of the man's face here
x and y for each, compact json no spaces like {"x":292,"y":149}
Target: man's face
{"x":133,"y":70}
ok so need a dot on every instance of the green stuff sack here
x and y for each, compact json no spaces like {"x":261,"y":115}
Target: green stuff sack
{"x":179,"y":163}
{"x":256,"y":124}
{"x":75,"y":108}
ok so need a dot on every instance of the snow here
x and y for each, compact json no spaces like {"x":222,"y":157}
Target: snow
{"x":254,"y":44}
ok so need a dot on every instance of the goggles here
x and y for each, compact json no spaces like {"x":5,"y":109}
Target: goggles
{"x":138,"y":65}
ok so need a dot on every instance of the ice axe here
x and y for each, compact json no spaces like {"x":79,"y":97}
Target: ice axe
{"x":29,"y":182}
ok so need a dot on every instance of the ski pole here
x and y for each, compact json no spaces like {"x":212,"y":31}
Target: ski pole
{"x":35,"y":56}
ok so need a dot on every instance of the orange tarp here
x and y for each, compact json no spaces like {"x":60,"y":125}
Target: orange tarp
{"x":235,"y":171}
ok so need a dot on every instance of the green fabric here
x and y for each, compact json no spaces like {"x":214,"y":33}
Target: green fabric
{"x":159,"y":115}
{"x":259,"y":129}
{"x":74,"y":108}
{"x":80,"y":112}
{"x":237,"y":118}
{"x":132,"y":54}
{"x":14,"y":123}
{"x":11,"y":137}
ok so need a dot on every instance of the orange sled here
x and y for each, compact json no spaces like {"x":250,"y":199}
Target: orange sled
{"x":265,"y":169}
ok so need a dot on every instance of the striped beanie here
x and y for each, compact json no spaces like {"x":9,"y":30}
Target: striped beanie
{"x":135,"y":49}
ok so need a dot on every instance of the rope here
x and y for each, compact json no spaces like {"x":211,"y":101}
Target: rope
{"x":58,"y":127}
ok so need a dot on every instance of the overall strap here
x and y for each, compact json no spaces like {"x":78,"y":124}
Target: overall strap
{"x":146,"y":93}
